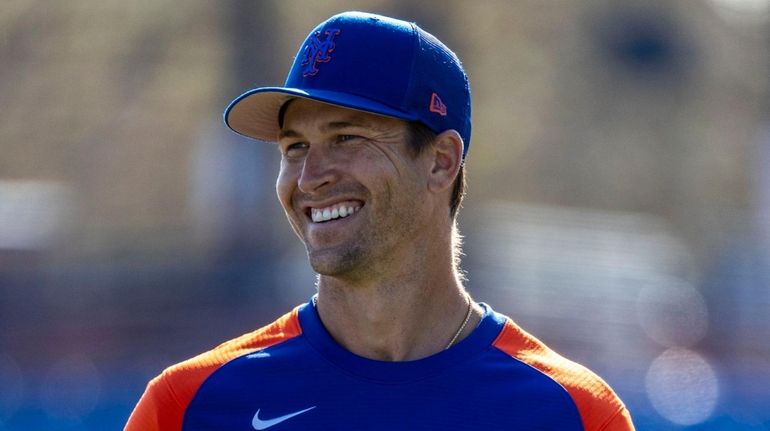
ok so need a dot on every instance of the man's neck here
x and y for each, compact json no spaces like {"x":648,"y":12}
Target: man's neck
{"x":401,"y":318}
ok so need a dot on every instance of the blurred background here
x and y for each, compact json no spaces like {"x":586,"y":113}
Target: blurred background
{"x":618,"y":207}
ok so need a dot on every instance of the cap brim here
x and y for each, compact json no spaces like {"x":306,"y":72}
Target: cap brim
{"x":255,"y":113}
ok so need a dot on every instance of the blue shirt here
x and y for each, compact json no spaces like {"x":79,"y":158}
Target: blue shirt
{"x":299,"y":378}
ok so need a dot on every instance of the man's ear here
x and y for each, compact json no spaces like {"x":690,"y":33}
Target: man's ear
{"x":447,"y":157}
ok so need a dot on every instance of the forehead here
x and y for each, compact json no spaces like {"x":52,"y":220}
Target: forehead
{"x":308,"y":115}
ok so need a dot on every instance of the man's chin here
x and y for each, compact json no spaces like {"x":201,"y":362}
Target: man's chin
{"x":334,"y":263}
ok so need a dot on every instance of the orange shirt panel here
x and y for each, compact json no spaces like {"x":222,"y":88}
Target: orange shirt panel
{"x":600,"y":408}
{"x":164,"y":402}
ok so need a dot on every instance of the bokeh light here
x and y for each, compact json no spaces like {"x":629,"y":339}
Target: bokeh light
{"x":682,"y":387}
{"x":673,"y":313}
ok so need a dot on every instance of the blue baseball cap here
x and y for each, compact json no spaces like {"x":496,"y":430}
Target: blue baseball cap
{"x":370,"y":63}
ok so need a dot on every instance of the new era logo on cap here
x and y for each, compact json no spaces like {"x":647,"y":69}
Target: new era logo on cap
{"x":436,"y":105}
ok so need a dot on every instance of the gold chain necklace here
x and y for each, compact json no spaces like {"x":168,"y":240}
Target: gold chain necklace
{"x":457,"y":334}
{"x":462,"y":327}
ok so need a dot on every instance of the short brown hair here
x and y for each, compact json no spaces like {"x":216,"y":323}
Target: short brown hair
{"x":419,"y":137}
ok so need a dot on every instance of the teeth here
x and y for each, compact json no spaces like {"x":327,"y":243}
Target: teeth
{"x":333,"y":212}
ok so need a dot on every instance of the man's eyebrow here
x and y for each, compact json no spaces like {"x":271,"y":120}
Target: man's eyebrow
{"x":331,"y":126}
{"x":336,"y":125}
{"x":287,"y":133}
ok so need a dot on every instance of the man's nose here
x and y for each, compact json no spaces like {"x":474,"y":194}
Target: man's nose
{"x":317,"y":170}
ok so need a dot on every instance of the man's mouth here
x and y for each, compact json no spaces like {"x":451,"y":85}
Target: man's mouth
{"x":335,"y":211}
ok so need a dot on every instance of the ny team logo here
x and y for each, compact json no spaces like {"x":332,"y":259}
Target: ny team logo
{"x":318,"y":51}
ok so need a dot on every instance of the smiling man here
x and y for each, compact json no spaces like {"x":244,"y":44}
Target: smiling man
{"x":373,"y":125}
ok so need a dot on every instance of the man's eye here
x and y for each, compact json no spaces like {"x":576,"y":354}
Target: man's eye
{"x":295,"y":149}
{"x":345,"y":138}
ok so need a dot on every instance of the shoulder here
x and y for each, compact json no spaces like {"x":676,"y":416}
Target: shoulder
{"x":167,"y":396}
{"x":599,"y":407}
{"x":185,"y":374}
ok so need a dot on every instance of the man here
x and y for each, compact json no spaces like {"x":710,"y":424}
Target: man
{"x":373,"y":126}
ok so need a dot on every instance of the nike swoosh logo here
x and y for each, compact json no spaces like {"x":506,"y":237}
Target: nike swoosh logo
{"x":261,"y":424}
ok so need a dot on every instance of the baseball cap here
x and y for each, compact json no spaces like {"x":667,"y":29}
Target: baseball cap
{"x":370,"y":63}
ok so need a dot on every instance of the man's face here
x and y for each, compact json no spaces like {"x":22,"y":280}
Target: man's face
{"x":350,"y":187}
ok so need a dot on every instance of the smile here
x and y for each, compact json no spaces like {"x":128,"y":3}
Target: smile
{"x":332,"y":212}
